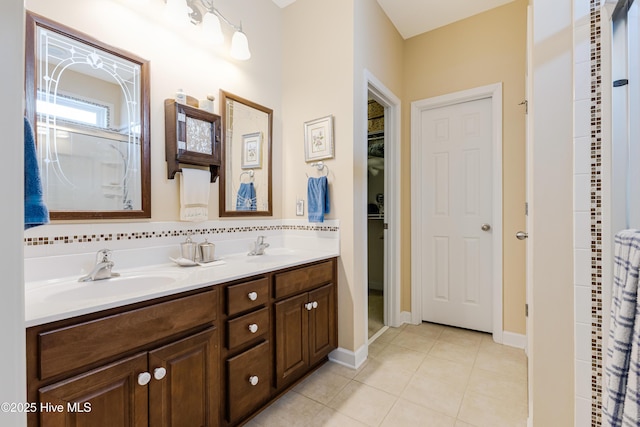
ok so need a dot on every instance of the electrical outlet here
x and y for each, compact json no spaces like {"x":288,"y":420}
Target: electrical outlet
{"x":300,"y":207}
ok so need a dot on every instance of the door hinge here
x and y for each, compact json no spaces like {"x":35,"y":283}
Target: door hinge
{"x":526,"y":106}
{"x":385,"y":226}
{"x":526,"y":310}
{"x":526,"y":208}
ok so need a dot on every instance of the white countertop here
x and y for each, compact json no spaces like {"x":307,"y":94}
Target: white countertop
{"x":51,"y":300}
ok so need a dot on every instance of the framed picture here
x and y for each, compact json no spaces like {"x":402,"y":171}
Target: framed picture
{"x":318,"y":139}
{"x":252,"y":151}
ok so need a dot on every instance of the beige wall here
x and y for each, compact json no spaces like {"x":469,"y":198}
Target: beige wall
{"x":551,"y":331}
{"x":318,"y":71}
{"x":324,"y":74}
{"x":481,"y":50}
{"x":13,"y":359}
{"x":180,"y":59}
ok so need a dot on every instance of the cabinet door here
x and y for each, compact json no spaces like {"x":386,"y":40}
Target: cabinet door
{"x":105,"y":397}
{"x":187,"y":395}
{"x":322,"y":323}
{"x":292,"y":345}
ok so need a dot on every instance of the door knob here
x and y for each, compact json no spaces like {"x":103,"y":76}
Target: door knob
{"x":521,"y":235}
{"x":253,"y":380}
{"x":485,"y":227}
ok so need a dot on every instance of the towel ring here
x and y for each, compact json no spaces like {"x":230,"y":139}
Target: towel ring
{"x":251,"y":173}
{"x":320,"y":166}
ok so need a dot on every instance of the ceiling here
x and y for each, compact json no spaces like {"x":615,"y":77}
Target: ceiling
{"x":413,"y":17}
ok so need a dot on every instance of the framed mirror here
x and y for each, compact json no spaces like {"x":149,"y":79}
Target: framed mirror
{"x":88,"y":104}
{"x":245,"y":178}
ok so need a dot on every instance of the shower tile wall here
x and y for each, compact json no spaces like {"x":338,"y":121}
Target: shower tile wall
{"x":587,"y":212}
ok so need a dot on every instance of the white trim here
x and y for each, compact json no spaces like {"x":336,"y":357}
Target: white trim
{"x":377,"y":334}
{"x":514,"y":340}
{"x":349,"y":358}
{"x":405,"y":317}
{"x":493,"y":91}
{"x":392,"y":243}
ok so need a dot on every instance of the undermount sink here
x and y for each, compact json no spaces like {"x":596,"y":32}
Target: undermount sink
{"x":124,"y":285}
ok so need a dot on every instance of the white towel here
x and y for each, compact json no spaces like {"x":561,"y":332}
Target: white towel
{"x":194,"y":194}
{"x":621,"y":402}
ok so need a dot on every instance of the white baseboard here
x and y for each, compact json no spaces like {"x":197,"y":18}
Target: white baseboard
{"x":349,"y":358}
{"x":514,"y":340}
{"x":405,"y":317}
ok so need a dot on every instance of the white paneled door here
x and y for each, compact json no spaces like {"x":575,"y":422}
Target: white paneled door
{"x":456,"y":197}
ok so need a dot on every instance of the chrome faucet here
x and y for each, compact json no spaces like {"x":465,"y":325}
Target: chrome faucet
{"x":259,"y":246}
{"x":102,"y":269}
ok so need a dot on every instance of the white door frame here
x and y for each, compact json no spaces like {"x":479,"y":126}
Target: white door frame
{"x":391,"y":289}
{"x":493,"y":91}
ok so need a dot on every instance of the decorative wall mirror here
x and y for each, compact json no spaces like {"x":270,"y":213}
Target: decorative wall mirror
{"x":245,"y":179}
{"x":89,"y":106}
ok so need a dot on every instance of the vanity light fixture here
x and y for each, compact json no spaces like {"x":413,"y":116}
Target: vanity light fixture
{"x":203,"y":12}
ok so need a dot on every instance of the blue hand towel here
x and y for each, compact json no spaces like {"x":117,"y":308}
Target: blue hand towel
{"x":35,"y":211}
{"x":318,"y":196}
{"x":246,"y":200}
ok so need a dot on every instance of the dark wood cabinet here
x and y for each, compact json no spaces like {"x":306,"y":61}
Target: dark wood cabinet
{"x":305,"y":327}
{"x":186,"y":360}
{"x":172,"y":386}
{"x":152,"y":364}
{"x":188,"y":394}
{"x":323,"y":337}
{"x":109,"y":396}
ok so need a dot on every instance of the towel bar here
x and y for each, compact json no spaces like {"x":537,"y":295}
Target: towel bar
{"x":320,"y":166}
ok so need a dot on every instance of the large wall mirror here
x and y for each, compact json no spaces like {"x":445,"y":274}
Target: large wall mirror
{"x":245,"y":179}
{"x":89,"y":106}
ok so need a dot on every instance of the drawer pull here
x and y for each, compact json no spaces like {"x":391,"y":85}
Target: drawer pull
{"x":253,"y":380}
{"x":144,"y":378}
{"x":253,"y":328}
{"x":253,"y":296}
{"x":159,"y":373}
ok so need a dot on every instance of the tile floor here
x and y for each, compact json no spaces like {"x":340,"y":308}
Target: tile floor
{"x":425,"y":375}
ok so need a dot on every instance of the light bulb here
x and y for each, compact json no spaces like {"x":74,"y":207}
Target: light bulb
{"x":212,"y":29}
{"x":240,"y":46}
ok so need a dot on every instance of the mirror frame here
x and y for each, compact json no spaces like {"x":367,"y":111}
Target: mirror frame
{"x":32,"y":22}
{"x":224,"y":96}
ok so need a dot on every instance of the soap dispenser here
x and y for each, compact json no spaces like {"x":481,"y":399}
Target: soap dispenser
{"x":188,"y":249}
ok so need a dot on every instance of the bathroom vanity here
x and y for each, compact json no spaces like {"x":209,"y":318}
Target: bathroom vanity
{"x":214,"y":354}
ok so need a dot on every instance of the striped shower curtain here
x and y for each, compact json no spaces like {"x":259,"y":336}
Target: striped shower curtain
{"x":621,"y":400}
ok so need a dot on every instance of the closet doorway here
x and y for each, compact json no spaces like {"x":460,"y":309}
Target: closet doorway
{"x":381,"y":258}
{"x":375,"y":217}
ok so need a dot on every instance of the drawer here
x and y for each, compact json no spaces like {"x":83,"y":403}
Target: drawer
{"x":241,"y":297}
{"x":119,"y":333}
{"x":239,"y":331}
{"x":244,"y":396}
{"x":304,"y":278}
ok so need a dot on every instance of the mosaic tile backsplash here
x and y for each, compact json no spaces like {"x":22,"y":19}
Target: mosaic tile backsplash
{"x":596,"y":211}
{"x":51,"y":236}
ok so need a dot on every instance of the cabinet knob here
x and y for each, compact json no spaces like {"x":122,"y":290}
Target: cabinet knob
{"x":144,"y":378}
{"x":253,"y":380}
{"x":308,"y":306}
{"x":253,"y":296}
{"x":315,"y":304}
{"x":253,"y":328}
{"x":159,"y":373}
